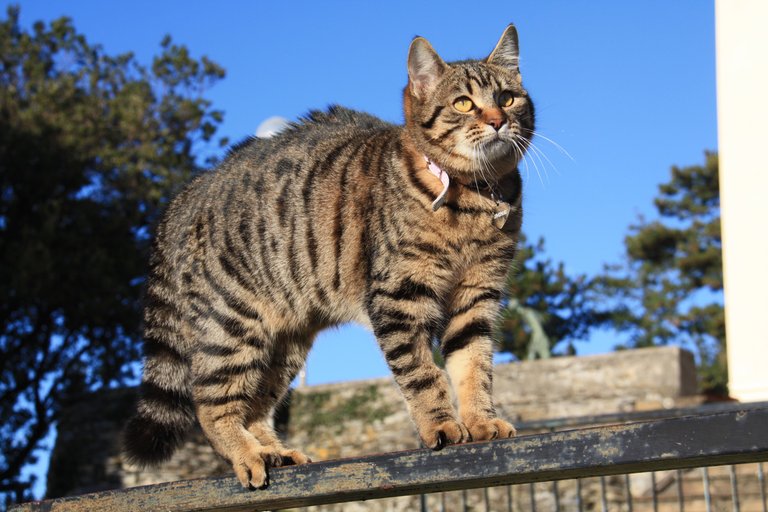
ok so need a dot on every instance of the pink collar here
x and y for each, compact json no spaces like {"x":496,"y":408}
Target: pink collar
{"x":444,"y":179}
{"x":503,"y":209}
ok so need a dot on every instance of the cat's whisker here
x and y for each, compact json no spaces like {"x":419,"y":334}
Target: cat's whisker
{"x":494,"y":173}
{"x":485,"y":165}
{"x":537,"y":169}
{"x":520,"y":156}
{"x":520,"y":147}
{"x":536,"y":153}
{"x":558,"y":146}
{"x":517,"y":155}
{"x":492,"y":169}
{"x":540,"y":153}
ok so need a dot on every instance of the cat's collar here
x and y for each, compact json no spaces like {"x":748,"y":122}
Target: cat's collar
{"x":444,"y":179}
{"x":503,"y":209}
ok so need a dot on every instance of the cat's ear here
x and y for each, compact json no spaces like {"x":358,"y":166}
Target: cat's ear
{"x":507,"y":52}
{"x":425,"y":67}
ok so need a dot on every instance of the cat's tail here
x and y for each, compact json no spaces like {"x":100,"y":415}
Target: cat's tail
{"x":159,"y":426}
{"x":165,"y":411}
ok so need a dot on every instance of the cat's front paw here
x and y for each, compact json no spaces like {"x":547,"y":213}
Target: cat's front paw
{"x":251,"y":468}
{"x":485,"y":429}
{"x":438,"y":435}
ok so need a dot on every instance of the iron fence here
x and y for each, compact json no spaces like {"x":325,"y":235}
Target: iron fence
{"x":739,"y":488}
{"x":656,"y":461}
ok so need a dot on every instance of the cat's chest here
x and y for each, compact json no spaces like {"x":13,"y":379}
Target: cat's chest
{"x":456,"y":238}
{"x":460,"y":223}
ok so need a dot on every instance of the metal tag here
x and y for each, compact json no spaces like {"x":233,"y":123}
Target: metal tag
{"x":501,"y":217}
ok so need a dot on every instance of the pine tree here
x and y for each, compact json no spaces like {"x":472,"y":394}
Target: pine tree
{"x":545,"y":307}
{"x":669,"y":289}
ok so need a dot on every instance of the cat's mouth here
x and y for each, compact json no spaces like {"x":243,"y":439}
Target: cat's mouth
{"x":506,"y":143}
{"x":495,"y":139}
{"x":496,"y":146}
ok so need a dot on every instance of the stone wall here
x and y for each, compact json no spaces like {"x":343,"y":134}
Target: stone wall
{"x":365,"y":417}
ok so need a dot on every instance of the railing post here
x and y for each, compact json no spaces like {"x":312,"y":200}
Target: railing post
{"x":707,"y":495}
{"x":734,"y":488}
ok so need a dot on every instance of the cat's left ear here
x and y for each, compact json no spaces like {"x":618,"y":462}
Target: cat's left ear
{"x":507,"y":52}
{"x":425,"y":67}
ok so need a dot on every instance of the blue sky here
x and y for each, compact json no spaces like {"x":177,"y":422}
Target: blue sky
{"x":627,"y":88}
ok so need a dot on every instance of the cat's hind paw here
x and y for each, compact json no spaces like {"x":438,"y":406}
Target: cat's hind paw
{"x":291,"y":458}
{"x":252,"y":468}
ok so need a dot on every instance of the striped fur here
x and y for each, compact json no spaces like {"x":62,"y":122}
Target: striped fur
{"x":331,"y":222}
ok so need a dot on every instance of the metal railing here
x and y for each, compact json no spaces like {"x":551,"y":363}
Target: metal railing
{"x":582,"y":469}
{"x":741,"y":488}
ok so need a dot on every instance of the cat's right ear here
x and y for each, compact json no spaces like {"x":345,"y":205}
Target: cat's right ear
{"x":425,"y":67}
{"x":507,"y":51}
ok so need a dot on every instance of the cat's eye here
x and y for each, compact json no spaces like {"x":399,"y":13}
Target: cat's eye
{"x":463,"y":104}
{"x":506,"y":99}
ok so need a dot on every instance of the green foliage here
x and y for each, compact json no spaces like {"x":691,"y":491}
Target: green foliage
{"x":321,"y":409}
{"x":560,"y":302}
{"x":669,"y":290}
{"x":91,"y":147}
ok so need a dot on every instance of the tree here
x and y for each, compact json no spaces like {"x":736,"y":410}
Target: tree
{"x":91,"y":147}
{"x":669,"y":289}
{"x":544,"y":305}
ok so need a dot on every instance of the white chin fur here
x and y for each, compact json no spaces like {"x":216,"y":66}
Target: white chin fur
{"x":497,"y":148}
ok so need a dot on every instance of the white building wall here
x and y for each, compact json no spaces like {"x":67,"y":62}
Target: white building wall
{"x":742,"y":109}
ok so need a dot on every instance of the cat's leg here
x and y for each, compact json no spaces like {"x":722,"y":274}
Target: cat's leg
{"x":288,"y":358}
{"x":403,"y":314}
{"x":228,"y":371}
{"x":467,"y":347}
{"x":223,"y":416}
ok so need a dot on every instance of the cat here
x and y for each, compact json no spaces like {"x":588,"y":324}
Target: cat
{"x":342,"y":217}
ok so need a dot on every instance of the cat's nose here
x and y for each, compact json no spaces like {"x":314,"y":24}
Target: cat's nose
{"x":494,"y":118}
{"x":496,"y":123}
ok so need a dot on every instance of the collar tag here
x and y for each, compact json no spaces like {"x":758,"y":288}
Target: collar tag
{"x":501,"y":217}
{"x":444,"y":179}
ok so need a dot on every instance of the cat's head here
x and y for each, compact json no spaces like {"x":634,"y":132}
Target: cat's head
{"x":473,"y":117}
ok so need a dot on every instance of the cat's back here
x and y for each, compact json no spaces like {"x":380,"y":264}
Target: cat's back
{"x":285,"y":211}
{"x":259,"y":167}
{"x":311,"y":139}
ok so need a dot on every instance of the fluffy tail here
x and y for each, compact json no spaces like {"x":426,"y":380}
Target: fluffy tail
{"x":159,"y":426}
{"x":165,"y":411}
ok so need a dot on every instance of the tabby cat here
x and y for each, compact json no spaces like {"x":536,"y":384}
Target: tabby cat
{"x":342,"y":217}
